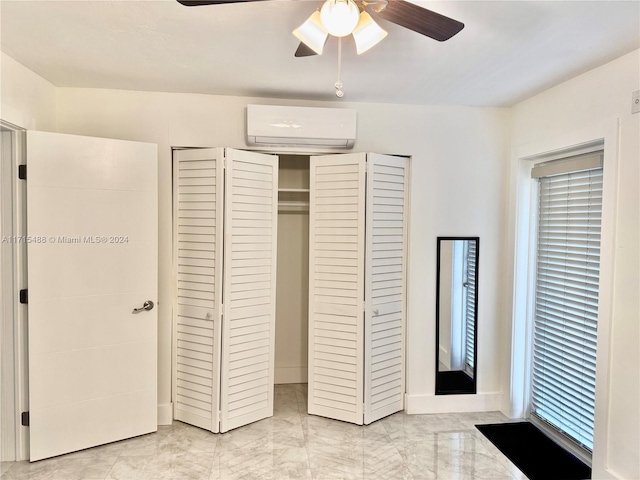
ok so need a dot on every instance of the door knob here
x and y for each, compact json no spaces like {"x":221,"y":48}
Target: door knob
{"x":148,"y":305}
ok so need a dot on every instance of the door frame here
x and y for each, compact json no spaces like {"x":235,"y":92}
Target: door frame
{"x":293,"y":151}
{"x":14,"y":386}
{"x":13,"y":194}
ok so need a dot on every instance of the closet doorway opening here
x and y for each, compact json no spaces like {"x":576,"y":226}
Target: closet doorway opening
{"x":292,"y":290}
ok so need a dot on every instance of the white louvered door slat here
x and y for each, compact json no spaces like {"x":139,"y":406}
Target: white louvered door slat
{"x":198,"y":213}
{"x":385,"y":288}
{"x":248,"y":327}
{"x":336,"y":286}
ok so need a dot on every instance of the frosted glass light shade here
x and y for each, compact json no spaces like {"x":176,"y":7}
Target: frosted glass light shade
{"x":312,"y":33}
{"x":340,"y":17}
{"x":368,"y":33}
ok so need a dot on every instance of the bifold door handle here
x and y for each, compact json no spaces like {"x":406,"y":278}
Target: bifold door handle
{"x":375,"y":312}
{"x":148,"y":305}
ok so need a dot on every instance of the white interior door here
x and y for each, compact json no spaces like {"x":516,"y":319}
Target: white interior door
{"x":198,"y":245}
{"x":248,"y":327}
{"x":93,"y":258}
{"x":385,"y":314}
{"x":336,"y":286}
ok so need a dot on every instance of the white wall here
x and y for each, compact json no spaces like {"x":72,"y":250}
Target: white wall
{"x":459,"y":183}
{"x":27,"y":100}
{"x":602,"y":96}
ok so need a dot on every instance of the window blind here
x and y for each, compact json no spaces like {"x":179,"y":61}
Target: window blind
{"x":566,"y":302}
{"x":577,"y":163}
{"x":470,"y":302}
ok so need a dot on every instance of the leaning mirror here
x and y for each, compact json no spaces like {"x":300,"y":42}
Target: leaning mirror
{"x":456,"y":314}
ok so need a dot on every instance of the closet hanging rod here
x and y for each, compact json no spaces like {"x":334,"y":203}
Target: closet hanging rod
{"x":293,"y":206}
{"x":294,"y":190}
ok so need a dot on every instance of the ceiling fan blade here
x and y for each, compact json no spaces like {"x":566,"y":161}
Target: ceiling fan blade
{"x":304,"y":51}
{"x":420,"y":20}
{"x":199,"y":3}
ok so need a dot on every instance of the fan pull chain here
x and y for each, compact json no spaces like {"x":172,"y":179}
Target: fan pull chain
{"x":338,"y":84}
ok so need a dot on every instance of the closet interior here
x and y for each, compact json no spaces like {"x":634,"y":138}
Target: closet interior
{"x":292,"y":285}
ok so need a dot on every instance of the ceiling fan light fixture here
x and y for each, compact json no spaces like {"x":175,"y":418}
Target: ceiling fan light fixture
{"x":312,"y":33}
{"x":368,"y":33}
{"x":340,"y":17}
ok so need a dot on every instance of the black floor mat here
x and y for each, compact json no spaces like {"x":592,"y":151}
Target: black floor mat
{"x":534,"y":453}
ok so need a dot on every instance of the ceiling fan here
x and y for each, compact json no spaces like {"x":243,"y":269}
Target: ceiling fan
{"x":344,"y":17}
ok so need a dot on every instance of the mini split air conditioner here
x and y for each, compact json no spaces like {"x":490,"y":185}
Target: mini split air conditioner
{"x":269,"y":125}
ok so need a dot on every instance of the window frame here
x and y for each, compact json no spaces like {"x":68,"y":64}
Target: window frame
{"x":603,"y":134}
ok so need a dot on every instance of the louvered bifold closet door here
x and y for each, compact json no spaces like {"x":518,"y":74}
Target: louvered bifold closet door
{"x":248,"y":327}
{"x":470,"y":303}
{"x":566,"y":302}
{"x":387,"y":215}
{"x":336,"y":286}
{"x":198,"y":213}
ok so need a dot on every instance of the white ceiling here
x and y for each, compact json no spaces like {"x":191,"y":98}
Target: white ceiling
{"x":508,"y":50}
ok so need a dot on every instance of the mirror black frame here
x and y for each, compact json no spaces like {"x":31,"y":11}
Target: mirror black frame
{"x":442,"y":387}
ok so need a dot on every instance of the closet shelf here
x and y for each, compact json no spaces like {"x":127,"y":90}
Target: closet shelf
{"x":293,"y":199}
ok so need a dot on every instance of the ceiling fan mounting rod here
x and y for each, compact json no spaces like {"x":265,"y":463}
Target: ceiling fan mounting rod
{"x":338,"y":84}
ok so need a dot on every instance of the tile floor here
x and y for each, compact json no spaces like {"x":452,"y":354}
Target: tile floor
{"x":292,"y":445}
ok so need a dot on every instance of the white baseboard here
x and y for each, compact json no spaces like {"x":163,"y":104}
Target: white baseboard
{"x":290,"y":375}
{"x":165,"y":414}
{"x":480,"y":402}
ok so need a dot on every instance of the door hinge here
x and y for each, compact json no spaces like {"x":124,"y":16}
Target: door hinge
{"x":24,"y":419}
{"x":24,"y":296}
{"x":22,"y":172}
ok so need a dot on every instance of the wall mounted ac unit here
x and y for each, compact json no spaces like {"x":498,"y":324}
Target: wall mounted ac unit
{"x":269,"y":125}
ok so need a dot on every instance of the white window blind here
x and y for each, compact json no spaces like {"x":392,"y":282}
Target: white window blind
{"x":566,"y":302}
{"x":470,"y":302}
